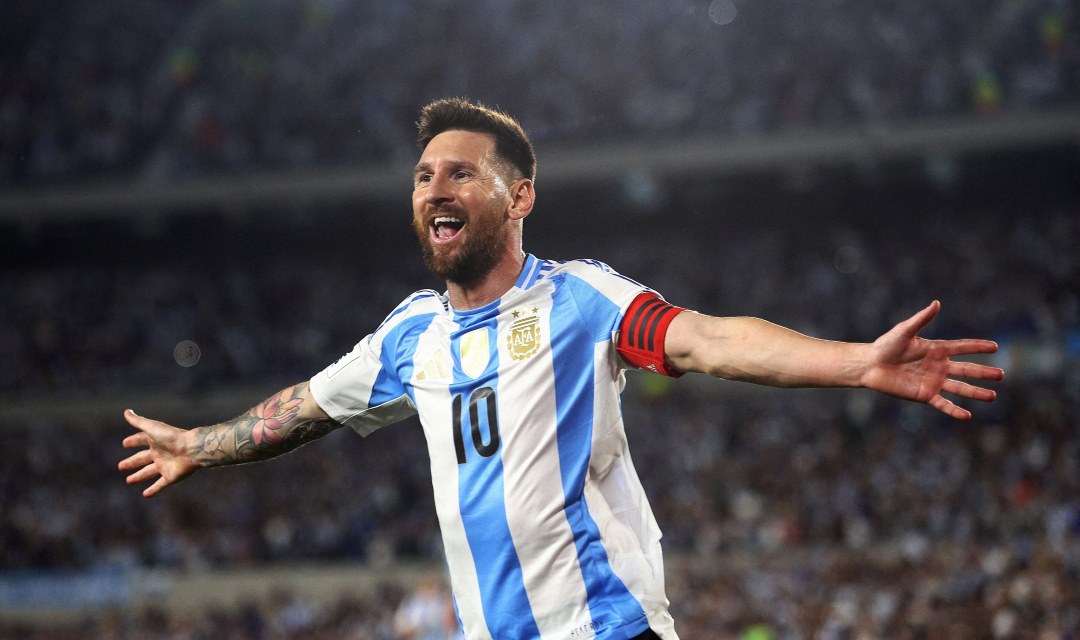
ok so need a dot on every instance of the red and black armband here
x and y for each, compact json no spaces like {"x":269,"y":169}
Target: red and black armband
{"x":643,"y":330}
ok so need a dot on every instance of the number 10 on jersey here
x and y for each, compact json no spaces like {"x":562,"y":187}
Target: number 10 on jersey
{"x":485,"y":396}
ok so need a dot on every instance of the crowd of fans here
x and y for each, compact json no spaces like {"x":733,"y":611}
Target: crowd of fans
{"x":788,"y":511}
{"x":796,"y":513}
{"x":281,"y":318}
{"x":792,"y":514}
{"x":170,"y":89}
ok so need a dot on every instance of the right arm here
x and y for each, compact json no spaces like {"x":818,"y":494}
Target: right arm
{"x":277,"y":425}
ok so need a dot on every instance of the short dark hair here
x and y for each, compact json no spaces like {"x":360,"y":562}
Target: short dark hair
{"x":512,"y":144}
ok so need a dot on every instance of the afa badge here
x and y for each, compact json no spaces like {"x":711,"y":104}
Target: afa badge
{"x":523,"y":341}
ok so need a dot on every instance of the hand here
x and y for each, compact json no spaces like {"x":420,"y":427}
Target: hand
{"x":166,"y":454}
{"x":913,"y":368}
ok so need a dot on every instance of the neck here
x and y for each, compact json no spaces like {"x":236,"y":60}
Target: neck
{"x":489,"y":288}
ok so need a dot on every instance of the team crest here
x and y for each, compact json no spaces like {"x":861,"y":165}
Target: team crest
{"x":523,"y":341}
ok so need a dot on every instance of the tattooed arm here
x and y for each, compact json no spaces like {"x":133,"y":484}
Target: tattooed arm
{"x":277,"y":425}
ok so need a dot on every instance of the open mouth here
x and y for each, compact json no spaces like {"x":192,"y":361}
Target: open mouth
{"x":445,"y":228}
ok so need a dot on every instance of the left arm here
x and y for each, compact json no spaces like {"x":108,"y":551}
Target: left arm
{"x":899,"y":363}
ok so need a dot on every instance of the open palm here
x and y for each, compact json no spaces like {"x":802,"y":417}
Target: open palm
{"x":914,"y":368}
{"x":163,"y":454}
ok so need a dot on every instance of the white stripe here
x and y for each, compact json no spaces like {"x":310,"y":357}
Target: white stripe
{"x":434,"y":396}
{"x":531,"y":278}
{"x":618,"y":503}
{"x":534,"y":493}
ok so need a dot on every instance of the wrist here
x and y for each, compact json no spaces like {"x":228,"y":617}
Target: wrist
{"x":195,"y":443}
{"x":858,"y":365}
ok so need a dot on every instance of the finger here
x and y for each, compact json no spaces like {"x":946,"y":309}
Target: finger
{"x":140,"y":459}
{"x":965,"y":347}
{"x":147,"y":472}
{"x":913,"y":325}
{"x":975,"y":371}
{"x":155,"y":488}
{"x":136,"y":440}
{"x":941,"y":404}
{"x":966,"y":390}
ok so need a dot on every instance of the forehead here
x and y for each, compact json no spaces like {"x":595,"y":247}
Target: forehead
{"x":458,"y":145}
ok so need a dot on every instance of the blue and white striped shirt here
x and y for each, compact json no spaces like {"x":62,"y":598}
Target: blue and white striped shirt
{"x":548,"y":533}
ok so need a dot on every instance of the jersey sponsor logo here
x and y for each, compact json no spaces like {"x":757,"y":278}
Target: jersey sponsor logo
{"x":475,"y":352}
{"x":523,"y":340}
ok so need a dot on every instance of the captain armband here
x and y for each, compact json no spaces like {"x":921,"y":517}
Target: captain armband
{"x":643,"y":330}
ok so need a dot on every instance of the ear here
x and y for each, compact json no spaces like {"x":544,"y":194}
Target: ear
{"x":522,"y":197}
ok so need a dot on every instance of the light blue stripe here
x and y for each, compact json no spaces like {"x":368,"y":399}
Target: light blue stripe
{"x":527,"y":275}
{"x":404,"y":306}
{"x":481,"y":497}
{"x":399,"y":347}
{"x":610,"y":603}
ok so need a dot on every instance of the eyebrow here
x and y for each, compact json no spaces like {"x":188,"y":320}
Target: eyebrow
{"x":425,"y":167}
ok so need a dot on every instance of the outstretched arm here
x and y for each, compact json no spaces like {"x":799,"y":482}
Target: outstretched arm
{"x":899,"y":363}
{"x":279,"y":424}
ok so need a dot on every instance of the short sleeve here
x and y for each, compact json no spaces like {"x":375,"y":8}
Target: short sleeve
{"x":361,"y":389}
{"x":356,"y":391}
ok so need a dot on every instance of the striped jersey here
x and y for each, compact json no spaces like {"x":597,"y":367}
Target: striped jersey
{"x":547,"y":530}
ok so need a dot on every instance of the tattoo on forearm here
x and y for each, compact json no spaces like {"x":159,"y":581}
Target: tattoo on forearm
{"x":268,"y":429}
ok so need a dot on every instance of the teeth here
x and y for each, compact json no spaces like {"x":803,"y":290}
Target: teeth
{"x":448,"y":219}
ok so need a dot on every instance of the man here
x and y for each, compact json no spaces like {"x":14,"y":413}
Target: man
{"x":515,"y":372}
{"x":425,"y":613}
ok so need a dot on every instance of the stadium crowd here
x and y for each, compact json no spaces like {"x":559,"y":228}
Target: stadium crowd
{"x":166,"y":89}
{"x":280,"y":318}
{"x":799,"y":514}
{"x":802,"y":513}
{"x":792,"y":514}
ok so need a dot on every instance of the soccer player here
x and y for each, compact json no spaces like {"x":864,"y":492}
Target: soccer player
{"x":515,"y":372}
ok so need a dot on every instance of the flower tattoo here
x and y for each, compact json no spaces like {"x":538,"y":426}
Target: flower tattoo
{"x":272,"y":415}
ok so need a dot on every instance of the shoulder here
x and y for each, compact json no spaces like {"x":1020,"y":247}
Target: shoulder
{"x":585,"y":269}
{"x":577,"y":266}
{"x":424,"y":300}
{"x":594,"y":275}
{"x":419,"y":304}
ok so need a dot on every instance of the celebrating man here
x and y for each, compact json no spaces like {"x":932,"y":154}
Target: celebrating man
{"x":515,"y":372}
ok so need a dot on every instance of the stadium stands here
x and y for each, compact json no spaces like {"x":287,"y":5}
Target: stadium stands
{"x":787,"y":514}
{"x":169,"y":90}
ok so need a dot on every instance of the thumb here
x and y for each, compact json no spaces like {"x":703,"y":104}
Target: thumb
{"x":916,"y":323}
{"x":139,"y":422}
{"x":133,"y":418}
{"x":139,"y":438}
{"x":149,"y":431}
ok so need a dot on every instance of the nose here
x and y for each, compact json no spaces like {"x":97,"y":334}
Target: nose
{"x":439,"y":190}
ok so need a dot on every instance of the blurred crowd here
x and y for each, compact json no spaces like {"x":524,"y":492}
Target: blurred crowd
{"x":787,"y":514}
{"x":792,"y":514}
{"x":100,"y":329}
{"x":170,"y":89}
{"x":277,"y":319}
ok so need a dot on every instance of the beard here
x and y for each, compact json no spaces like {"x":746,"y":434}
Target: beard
{"x":474,"y":258}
